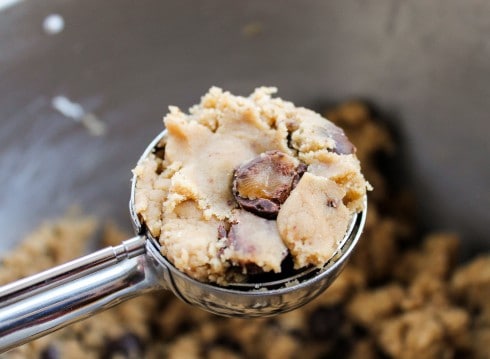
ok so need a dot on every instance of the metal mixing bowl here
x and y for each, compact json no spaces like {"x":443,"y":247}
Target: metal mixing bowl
{"x":425,"y":64}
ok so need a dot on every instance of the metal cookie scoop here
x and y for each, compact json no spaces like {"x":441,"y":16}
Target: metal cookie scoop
{"x":45,"y":302}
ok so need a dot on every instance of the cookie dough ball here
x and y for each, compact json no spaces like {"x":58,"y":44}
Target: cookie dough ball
{"x":241,"y":183}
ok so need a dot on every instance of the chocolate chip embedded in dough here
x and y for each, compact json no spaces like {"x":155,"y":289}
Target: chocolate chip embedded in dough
{"x":342,"y":144}
{"x":325,"y":322}
{"x":50,"y":352}
{"x":128,"y":346}
{"x":264,"y":208}
{"x":225,"y":341}
{"x":222,"y":232}
{"x":261,"y":185}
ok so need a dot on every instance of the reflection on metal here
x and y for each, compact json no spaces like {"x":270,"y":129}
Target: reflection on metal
{"x":76,"y":112}
{"x":5,"y":4}
{"x":53,"y":24}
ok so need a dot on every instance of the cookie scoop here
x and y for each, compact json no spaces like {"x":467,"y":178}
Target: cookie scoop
{"x":40,"y":304}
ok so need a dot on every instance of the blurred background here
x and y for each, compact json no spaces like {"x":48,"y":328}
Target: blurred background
{"x":84,"y":86}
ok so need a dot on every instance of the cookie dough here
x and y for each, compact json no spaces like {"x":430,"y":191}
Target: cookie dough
{"x":241,"y":183}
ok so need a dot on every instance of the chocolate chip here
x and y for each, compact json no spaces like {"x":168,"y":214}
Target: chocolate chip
{"x":359,"y":332}
{"x":382,"y":355}
{"x":221,"y":231}
{"x":253,"y":269}
{"x":287,"y":270}
{"x":342,"y":348}
{"x":128,"y":346}
{"x":185,"y":326}
{"x":291,"y":126}
{"x":159,"y":149}
{"x":50,"y":352}
{"x":261,"y":185}
{"x":324,"y":322}
{"x":342,"y":144}
{"x":300,"y":170}
{"x":228,"y":343}
{"x":264,"y":208}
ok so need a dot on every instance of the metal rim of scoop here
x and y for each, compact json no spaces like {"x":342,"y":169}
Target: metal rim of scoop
{"x":300,"y":278}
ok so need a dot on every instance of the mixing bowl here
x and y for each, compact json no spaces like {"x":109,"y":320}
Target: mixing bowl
{"x":118,"y":64}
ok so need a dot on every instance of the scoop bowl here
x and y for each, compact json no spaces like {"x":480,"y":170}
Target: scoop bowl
{"x":250,"y":299}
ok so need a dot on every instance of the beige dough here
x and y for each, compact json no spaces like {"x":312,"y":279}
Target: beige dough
{"x":186,"y":200}
{"x":312,"y":213}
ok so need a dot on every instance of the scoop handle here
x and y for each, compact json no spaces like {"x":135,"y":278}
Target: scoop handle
{"x":47,"y":301}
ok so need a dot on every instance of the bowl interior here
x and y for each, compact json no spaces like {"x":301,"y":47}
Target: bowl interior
{"x":429,"y":75}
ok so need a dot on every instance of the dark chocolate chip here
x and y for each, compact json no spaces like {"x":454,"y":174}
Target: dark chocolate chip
{"x":159,"y":149}
{"x":261,"y":185}
{"x":228,"y":343}
{"x":253,"y":268}
{"x":325,"y":322}
{"x":155,"y":328}
{"x":359,"y":332}
{"x":128,"y":346}
{"x":289,"y":140}
{"x":287,"y":271}
{"x":264,"y":208}
{"x":300,"y":170}
{"x":380,"y":354}
{"x":185,"y":326}
{"x":342,"y":348}
{"x":287,"y":265}
{"x":50,"y":352}
{"x":331,"y":203}
{"x":221,"y":231}
{"x":342,"y":144}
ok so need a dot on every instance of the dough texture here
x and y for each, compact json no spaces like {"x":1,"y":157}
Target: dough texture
{"x":185,"y":191}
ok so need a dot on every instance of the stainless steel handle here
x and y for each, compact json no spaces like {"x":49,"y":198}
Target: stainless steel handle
{"x":37,"y":305}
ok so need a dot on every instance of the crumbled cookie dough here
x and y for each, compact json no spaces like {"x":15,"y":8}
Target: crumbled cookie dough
{"x":230,"y":167}
{"x":53,"y":242}
{"x":401,"y":296}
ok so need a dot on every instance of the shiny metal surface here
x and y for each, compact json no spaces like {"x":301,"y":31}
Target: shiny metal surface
{"x":67,"y":272}
{"x":42,"y":303}
{"x":50,"y":300}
